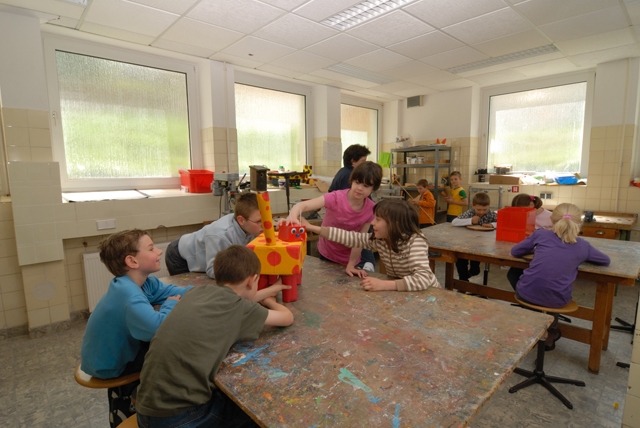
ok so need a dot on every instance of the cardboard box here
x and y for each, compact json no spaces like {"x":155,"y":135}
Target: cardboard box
{"x":505,"y":179}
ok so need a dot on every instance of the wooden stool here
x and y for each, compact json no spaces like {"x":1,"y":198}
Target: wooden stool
{"x":93,"y":382}
{"x":538,"y":375}
{"x":130,"y":422}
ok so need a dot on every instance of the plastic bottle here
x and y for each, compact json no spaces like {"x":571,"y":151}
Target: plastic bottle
{"x":281,"y":183}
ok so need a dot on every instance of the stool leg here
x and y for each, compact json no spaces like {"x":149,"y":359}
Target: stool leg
{"x":523,"y":384}
{"x":544,"y":382}
{"x":556,"y":379}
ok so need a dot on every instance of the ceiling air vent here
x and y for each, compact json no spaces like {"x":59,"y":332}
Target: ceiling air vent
{"x":414,"y":101}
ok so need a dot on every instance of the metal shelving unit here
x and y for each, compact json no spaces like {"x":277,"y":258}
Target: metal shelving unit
{"x":437,"y":165}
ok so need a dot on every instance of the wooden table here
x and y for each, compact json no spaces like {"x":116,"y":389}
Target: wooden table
{"x":454,"y":242}
{"x":355,"y":358}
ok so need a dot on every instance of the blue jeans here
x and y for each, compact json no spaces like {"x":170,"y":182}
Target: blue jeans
{"x":450,"y":218}
{"x":219,"y":411}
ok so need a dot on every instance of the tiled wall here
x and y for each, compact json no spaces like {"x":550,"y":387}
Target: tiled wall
{"x":13,"y":308}
{"x":216,"y":154}
{"x":631,"y":415}
{"x":27,"y":135}
{"x":322,"y":167}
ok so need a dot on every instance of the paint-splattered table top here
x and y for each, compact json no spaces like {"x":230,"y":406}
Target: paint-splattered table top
{"x":386,"y":359}
{"x":625,"y":255}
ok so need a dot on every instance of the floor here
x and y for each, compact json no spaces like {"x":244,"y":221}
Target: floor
{"x":38,"y":389}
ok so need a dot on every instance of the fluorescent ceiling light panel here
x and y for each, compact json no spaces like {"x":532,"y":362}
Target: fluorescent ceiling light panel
{"x":362,"y":12}
{"x":542,"y":50}
{"x":360,"y":73}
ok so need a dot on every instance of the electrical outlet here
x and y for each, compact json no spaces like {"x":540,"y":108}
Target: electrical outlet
{"x":546,"y":195}
{"x":106,"y":224}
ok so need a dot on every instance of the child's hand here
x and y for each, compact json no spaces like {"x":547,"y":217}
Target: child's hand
{"x":352,"y":270}
{"x":449,"y":199}
{"x":376,"y":284}
{"x":488,"y":225}
{"x":475,"y":219}
{"x":413,"y":202}
{"x":174,"y":297}
{"x":274,"y":289}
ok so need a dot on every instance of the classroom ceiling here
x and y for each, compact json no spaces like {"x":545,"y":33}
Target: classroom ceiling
{"x":413,"y":45}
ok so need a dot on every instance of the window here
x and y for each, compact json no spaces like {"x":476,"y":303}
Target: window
{"x":271,"y":128}
{"x":539,"y":126}
{"x":359,"y":125}
{"x":121,"y":124}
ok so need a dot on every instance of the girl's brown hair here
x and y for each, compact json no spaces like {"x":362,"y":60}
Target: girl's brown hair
{"x":369,"y":173}
{"x":401,"y":219}
{"x":523,"y":200}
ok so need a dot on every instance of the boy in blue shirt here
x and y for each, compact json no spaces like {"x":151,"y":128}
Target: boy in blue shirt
{"x":124,"y":321}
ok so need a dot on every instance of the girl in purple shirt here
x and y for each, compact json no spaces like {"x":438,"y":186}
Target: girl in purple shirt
{"x":558,"y":253}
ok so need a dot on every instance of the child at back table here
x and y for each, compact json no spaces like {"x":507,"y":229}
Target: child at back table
{"x":124,"y":321}
{"x":349,"y":209}
{"x":426,"y":204}
{"x":458,"y":199}
{"x":401,"y":245}
{"x":558,"y":253}
{"x":177,"y":386}
{"x":543,"y":217}
{"x":479,"y":215}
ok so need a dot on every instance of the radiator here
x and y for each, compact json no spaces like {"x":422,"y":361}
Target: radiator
{"x":97,"y":277}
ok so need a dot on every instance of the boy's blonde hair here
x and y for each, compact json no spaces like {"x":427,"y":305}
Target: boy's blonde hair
{"x":457,"y":173}
{"x":481,"y":199}
{"x":115,"y":249}
{"x":246,"y":204}
{"x":422,"y":183}
{"x":567,"y":228}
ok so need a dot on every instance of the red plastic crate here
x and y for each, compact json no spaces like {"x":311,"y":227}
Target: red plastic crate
{"x":197,"y":180}
{"x":515,"y":224}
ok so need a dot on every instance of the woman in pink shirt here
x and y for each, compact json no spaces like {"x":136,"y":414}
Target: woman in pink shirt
{"x":349,"y":209}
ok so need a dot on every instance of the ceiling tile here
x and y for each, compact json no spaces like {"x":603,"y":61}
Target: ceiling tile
{"x":594,"y":58}
{"x":441,"y":13}
{"x":259,"y":50}
{"x":295,"y":31}
{"x":542,"y":12}
{"x":379,"y":60}
{"x":174,"y":6}
{"x":379,"y":94}
{"x":433,"y":78}
{"x":182,"y":48}
{"x":513,"y":64}
{"x":490,"y":26}
{"x":317,"y":10}
{"x":453,"y":85}
{"x":416,"y":90}
{"x":196,"y":33}
{"x":47,"y":6}
{"x":285,"y":4}
{"x":585,"y":25}
{"x":339,"y":77}
{"x":244,"y":16}
{"x":426,"y":45}
{"x":280,"y":71}
{"x":303,"y":62}
{"x":317,"y":79}
{"x":64,"y":22}
{"x":497,"y":77}
{"x":235,"y":60}
{"x":597,"y":42}
{"x":547,"y":68}
{"x":513,"y":43}
{"x":391,"y":28}
{"x":455,"y":57}
{"x":409,"y":69}
{"x":129,"y":16}
{"x":634,"y":12}
{"x":116,"y":33}
{"x":341,"y":47}
{"x":394,"y":87}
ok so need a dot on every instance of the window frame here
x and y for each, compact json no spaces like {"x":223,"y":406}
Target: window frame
{"x":373,"y":105}
{"x":52,"y":43}
{"x":281,"y":86}
{"x":542,"y":83}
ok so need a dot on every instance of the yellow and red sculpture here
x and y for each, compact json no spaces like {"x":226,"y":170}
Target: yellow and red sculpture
{"x":282,"y":256}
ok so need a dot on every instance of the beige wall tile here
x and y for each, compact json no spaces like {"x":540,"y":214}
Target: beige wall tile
{"x":17,"y":137}
{"x":41,"y":154}
{"x":39,"y":171}
{"x":24,"y":234}
{"x":22,"y":154}
{"x":8,"y":248}
{"x":16,"y":317}
{"x":219,"y":134}
{"x":43,"y":232}
{"x":7,"y":230}
{"x":27,"y":254}
{"x":592,"y":204}
{"x":13,"y":300}
{"x":39,"y":137}
{"x":49,"y":252}
{"x":39,"y":317}
{"x":614,"y":131}
{"x":59,"y":312}
{"x":38,"y":119}
{"x":18,"y":172}
{"x":631,"y":413}
{"x":66,"y":229}
{"x":9,"y":283}
{"x":593,"y":192}
{"x":15,"y":117}
{"x":596,"y":168}
{"x":78,"y":303}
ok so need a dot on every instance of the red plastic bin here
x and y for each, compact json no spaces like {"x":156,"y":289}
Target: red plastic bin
{"x":515,"y":224}
{"x":196,"y":180}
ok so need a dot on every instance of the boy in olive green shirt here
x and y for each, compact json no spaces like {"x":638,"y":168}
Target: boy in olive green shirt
{"x":177,"y":380}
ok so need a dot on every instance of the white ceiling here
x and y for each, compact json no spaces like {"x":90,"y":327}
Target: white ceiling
{"x":413,"y":45}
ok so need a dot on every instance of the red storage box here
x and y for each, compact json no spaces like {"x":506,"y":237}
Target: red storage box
{"x":515,"y":224}
{"x":197,"y":180}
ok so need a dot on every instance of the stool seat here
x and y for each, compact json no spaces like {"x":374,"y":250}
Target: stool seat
{"x":93,"y":382}
{"x":571,"y":307}
{"x":130,"y":422}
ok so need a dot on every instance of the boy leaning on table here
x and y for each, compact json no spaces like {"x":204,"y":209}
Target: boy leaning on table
{"x":177,"y":381}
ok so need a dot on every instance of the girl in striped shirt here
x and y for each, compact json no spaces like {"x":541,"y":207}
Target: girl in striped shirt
{"x":402,"y":247}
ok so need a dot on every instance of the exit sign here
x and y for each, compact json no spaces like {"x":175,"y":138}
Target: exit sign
{"x":515,"y":189}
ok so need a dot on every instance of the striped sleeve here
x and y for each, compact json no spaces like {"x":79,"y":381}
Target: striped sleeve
{"x":420,"y":276}
{"x":348,"y":238}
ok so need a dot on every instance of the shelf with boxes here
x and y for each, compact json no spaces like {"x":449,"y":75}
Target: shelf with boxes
{"x":437,"y":158}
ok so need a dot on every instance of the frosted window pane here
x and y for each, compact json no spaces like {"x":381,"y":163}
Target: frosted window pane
{"x":271,"y":128}
{"x":359,"y":126}
{"x":539,"y":130}
{"x":122,"y":120}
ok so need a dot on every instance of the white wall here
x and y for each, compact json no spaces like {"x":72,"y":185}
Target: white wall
{"x":621,"y":80}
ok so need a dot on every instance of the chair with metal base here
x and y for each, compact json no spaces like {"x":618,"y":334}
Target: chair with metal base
{"x":538,"y":375}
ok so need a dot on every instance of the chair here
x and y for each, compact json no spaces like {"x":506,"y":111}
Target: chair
{"x":130,"y":422}
{"x":93,"y":382}
{"x":538,"y":375}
